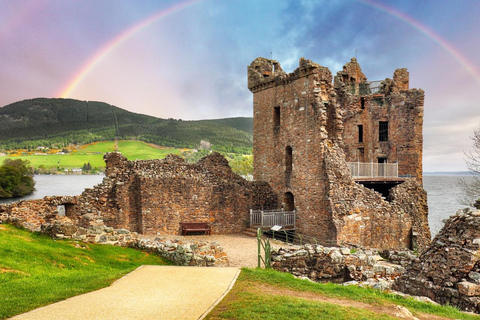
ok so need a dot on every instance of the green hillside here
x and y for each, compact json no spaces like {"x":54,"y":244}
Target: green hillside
{"x":92,"y":154}
{"x":60,"y":122}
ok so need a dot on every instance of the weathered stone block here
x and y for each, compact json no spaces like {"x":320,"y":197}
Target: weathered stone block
{"x":469,"y":289}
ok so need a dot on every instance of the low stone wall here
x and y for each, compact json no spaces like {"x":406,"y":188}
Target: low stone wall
{"x":320,"y":263}
{"x":201,"y":254}
{"x":93,"y":234}
{"x":448,"y":272}
{"x":33,"y":214}
{"x":180,"y":253}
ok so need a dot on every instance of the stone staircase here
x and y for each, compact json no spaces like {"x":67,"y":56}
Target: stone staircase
{"x":251,"y":232}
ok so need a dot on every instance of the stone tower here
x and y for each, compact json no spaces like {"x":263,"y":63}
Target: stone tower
{"x":307,"y":127}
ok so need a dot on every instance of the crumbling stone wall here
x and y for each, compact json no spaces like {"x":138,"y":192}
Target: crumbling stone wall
{"x":393,"y":102}
{"x":34,"y":214}
{"x":448,"y":272}
{"x":340,"y":265}
{"x":364,"y":217}
{"x":155,"y":196}
{"x":303,"y":137}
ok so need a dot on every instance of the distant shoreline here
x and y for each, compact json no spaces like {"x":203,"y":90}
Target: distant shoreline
{"x":449,"y":173}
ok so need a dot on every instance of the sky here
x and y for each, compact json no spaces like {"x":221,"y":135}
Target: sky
{"x":188,"y":59}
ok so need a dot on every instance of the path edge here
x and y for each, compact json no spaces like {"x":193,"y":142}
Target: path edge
{"x":232,"y":283}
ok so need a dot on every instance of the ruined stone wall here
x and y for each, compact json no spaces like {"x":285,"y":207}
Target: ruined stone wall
{"x":155,"y":196}
{"x":363,"y":216}
{"x":343,"y":264}
{"x":300,"y":124}
{"x":448,"y":272}
{"x":33,"y":214}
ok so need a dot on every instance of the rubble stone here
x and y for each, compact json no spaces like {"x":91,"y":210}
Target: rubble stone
{"x":448,"y":271}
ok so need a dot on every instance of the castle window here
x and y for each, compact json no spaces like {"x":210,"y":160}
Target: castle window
{"x":288,"y":159}
{"x":288,"y":165}
{"x":360,"y":133}
{"x":383,"y":131}
{"x":276,"y":119}
{"x":289,"y":201}
{"x":362,"y":102}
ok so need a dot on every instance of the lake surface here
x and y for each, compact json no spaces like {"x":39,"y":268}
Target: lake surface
{"x":443,"y":199}
{"x":59,"y":185}
{"x":442,"y":191}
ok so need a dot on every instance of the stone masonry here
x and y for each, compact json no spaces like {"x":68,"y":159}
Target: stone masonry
{"x":153,"y":197}
{"x":305,"y":131}
{"x":448,"y":272}
{"x":367,"y":104}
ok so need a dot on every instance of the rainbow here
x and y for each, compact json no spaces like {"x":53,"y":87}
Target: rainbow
{"x":444,"y":44}
{"x":113,"y":44}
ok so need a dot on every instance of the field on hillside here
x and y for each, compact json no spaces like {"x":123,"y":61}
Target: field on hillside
{"x":93,"y":154}
{"x":36,"y":270}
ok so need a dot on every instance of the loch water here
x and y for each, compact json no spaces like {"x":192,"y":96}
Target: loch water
{"x":59,"y":185}
{"x":442,"y":191}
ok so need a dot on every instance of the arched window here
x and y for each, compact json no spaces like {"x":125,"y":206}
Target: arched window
{"x":289,"y":202}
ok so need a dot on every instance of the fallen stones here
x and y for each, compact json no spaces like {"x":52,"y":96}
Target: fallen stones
{"x":448,"y":272}
{"x":318,"y":263}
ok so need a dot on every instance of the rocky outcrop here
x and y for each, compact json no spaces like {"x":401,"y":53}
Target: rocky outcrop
{"x":448,"y":272}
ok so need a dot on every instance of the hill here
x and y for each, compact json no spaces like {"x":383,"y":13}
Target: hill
{"x":47,"y":122}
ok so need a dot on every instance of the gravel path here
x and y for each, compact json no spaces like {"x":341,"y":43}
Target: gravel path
{"x":242,"y":250}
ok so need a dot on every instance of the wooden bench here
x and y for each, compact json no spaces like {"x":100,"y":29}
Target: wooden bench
{"x":195,"y":227}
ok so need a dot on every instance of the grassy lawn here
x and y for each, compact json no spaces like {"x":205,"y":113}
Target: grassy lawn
{"x":269,"y":294}
{"x":138,"y":150}
{"x":93,"y":153}
{"x":36,"y":270}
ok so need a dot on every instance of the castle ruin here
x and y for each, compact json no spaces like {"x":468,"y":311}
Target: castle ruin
{"x":345,"y":153}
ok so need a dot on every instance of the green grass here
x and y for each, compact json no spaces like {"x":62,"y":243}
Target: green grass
{"x":93,"y":153}
{"x":138,"y":150}
{"x":101,"y":147}
{"x":261,"y":307}
{"x":36,"y":270}
{"x":243,"y":302}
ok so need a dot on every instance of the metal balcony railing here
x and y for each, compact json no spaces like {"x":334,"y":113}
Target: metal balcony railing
{"x":270,"y":218}
{"x":373,"y":170}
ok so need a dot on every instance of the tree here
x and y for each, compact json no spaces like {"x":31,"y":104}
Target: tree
{"x":16,"y":179}
{"x":471,"y":187}
{"x":204,"y":145}
{"x":243,"y":166}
